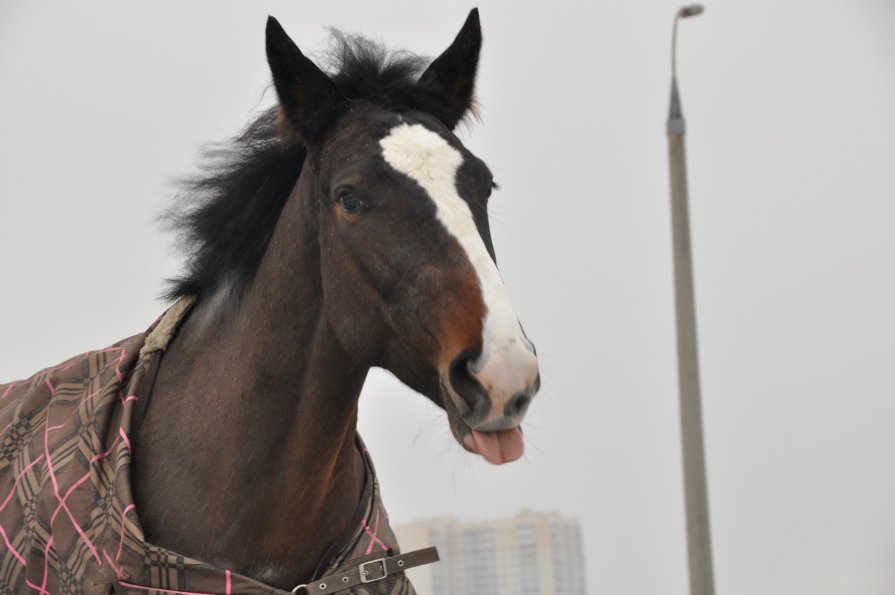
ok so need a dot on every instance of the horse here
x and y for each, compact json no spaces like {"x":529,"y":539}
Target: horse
{"x":345,"y":228}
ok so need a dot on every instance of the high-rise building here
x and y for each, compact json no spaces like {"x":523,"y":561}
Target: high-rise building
{"x":528,"y":554}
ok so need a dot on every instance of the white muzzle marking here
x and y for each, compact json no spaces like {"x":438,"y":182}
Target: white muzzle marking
{"x":508,"y":365}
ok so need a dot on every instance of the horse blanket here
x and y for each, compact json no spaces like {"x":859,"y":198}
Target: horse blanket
{"x":68,"y":523}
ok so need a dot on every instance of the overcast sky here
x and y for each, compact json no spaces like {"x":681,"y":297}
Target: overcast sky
{"x":791,"y":146}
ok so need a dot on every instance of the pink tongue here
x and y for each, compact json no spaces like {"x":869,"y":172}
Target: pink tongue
{"x":500,"y":447}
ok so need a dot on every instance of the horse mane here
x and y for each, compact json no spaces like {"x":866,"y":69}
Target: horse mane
{"x":224,"y":216}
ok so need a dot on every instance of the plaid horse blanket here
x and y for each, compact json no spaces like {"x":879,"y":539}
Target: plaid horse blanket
{"x":68,"y":523}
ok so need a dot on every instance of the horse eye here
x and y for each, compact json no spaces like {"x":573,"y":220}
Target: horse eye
{"x":492,"y":187}
{"x":349,"y":202}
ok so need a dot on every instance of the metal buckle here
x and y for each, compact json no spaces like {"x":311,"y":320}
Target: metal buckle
{"x":363,"y":571}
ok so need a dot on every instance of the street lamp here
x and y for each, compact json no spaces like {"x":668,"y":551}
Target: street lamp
{"x":699,"y":549}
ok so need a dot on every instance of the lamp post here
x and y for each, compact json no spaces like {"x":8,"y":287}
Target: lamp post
{"x":699,"y":549}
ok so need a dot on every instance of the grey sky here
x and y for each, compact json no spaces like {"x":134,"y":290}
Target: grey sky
{"x":792,"y":172}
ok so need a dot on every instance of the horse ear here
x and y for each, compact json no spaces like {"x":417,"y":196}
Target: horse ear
{"x":452,"y":74}
{"x":309,"y":100}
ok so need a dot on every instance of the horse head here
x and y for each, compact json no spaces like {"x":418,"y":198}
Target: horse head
{"x":406,"y":255}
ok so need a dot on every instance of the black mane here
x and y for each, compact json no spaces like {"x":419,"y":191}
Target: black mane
{"x":225,"y":215}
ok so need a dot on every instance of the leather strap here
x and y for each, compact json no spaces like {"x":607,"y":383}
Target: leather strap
{"x":371,"y":571}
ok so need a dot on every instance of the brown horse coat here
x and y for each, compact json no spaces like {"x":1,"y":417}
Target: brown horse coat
{"x":67,"y":517}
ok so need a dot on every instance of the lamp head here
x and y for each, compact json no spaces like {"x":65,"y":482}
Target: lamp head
{"x":690,"y":11}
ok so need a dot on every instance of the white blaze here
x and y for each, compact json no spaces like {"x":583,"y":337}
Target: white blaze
{"x":507,"y":366}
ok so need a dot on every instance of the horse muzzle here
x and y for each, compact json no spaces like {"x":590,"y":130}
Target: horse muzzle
{"x":489,"y":393}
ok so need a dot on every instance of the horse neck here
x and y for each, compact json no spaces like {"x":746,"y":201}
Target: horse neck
{"x":257,"y":469}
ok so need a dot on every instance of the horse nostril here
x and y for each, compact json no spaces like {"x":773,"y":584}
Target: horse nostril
{"x":517,"y":405}
{"x":465,"y":384}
